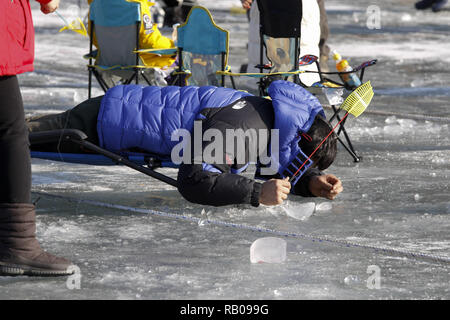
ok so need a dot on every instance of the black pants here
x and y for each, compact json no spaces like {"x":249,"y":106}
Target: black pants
{"x":83,"y":117}
{"x":15,"y":164}
{"x":174,"y":3}
{"x":176,"y":13}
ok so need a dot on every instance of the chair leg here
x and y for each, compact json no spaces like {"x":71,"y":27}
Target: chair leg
{"x":90,"y":83}
{"x":356,"y":158}
{"x":145,"y":78}
{"x":232,"y":82}
{"x":100,"y":81}
{"x":349,"y":146}
{"x":130,"y":79}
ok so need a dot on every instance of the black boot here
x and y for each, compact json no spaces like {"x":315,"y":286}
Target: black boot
{"x":20,"y":252}
{"x":438,"y":5}
{"x":172,"y":16}
{"x":424,"y":4}
{"x":185,"y":9}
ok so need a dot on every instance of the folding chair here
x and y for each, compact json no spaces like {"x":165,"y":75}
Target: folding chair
{"x":115,"y":28}
{"x":202,"y":50}
{"x":280,"y":41}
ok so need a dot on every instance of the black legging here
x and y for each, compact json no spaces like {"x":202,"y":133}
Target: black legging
{"x":174,"y":3}
{"x":185,"y":7}
{"x":15,"y":164}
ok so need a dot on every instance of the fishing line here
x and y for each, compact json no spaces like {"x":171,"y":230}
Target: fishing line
{"x":313,"y":238}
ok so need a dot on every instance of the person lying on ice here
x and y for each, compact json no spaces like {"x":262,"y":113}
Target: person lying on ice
{"x":135,"y":118}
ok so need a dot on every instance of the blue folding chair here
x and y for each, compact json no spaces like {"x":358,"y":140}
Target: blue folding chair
{"x":202,"y":50}
{"x":115,"y":30}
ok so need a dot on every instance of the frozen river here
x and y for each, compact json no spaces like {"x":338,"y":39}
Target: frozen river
{"x":398,"y":197}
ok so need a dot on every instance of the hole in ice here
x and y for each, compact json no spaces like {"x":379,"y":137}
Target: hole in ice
{"x":299,"y":211}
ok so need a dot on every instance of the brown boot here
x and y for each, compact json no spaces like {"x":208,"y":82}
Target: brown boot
{"x":20,"y":252}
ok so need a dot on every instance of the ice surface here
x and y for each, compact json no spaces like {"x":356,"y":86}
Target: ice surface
{"x":268,"y":250}
{"x":126,"y":255}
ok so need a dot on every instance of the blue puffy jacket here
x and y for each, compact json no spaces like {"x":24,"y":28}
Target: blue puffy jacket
{"x":145,"y":117}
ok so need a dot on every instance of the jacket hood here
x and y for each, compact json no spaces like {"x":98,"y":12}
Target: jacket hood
{"x":295,"y":110}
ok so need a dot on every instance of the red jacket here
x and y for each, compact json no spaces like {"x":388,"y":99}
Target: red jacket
{"x":16,"y":36}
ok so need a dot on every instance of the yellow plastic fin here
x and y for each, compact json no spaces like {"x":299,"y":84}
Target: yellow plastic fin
{"x":76,"y":26}
{"x":357,"y":102}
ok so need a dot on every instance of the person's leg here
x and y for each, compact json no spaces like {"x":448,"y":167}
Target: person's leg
{"x":186,"y":6}
{"x":324,"y":33}
{"x":425,"y":4}
{"x":172,"y":13}
{"x":176,"y":13}
{"x":20,"y":252}
{"x":310,"y":39}
{"x":15,"y":165}
{"x":82,"y":117}
{"x":253,"y":50}
{"x":438,"y":5}
{"x":171,"y":3}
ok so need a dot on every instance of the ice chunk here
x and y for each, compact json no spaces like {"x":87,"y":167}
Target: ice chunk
{"x":394,"y":129}
{"x":406,"y":17}
{"x":407,"y":123}
{"x":299,"y":211}
{"x":269,"y":250}
{"x":391,"y":120}
{"x":324,"y":206}
{"x":351,"y":279}
{"x":416,"y":197}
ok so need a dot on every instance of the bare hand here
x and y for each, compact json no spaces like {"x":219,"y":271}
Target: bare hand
{"x":50,"y":7}
{"x":246,"y":4}
{"x":274,"y":192}
{"x":326,"y":186}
